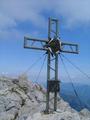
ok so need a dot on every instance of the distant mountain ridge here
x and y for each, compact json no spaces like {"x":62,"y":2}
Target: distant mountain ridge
{"x":67,"y":93}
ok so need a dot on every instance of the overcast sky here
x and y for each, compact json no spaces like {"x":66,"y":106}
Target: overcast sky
{"x":30,"y":17}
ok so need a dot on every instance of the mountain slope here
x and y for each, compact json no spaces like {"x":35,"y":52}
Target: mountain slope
{"x":21,"y":99}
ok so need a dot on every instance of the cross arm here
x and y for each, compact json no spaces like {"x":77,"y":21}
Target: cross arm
{"x":69,"y":48}
{"x":33,"y":43}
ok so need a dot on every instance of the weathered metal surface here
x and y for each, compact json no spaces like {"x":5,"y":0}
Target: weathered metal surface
{"x":53,"y":86}
{"x":69,"y":48}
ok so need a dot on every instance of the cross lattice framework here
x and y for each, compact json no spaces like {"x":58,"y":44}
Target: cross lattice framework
{"x":53,"y":46}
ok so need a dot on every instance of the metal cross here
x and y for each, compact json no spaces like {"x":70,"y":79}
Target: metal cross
{"x":53,"y":46}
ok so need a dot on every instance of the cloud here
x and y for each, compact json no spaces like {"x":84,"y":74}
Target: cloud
{"x":6,"y":22}
{"x":11,"y":34}
{"x":73,"y":12}
{"x":14,"y":11}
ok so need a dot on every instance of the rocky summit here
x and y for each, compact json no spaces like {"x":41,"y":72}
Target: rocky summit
{"x":21,"y":99}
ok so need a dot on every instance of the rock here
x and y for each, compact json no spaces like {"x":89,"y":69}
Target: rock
{"x":21,"y":99}
{"x":6,"y":116}
{"x":85,"y":114}
{"x":55,"y":116}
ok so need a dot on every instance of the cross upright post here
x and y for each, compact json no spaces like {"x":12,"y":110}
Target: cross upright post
{"x":53,"y":46}
{"x":53,"y":32}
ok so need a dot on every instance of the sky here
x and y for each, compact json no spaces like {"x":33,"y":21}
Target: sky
{"x":19,"y":18}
